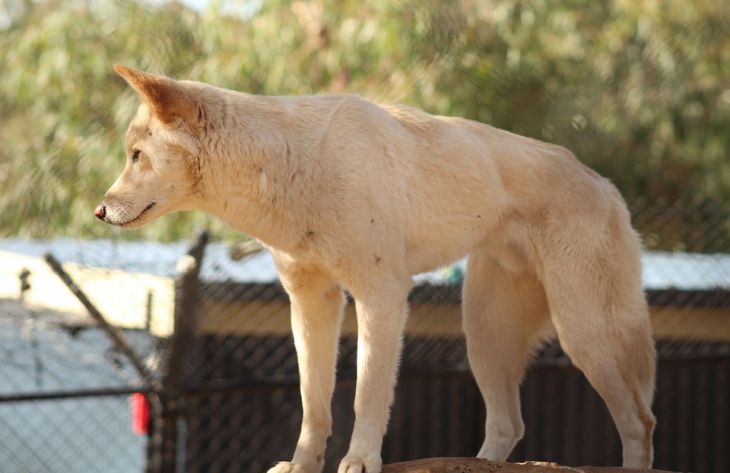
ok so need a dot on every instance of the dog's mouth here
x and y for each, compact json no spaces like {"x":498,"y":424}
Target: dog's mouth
{"x":127,"y":223}
{"x":144,"y":211}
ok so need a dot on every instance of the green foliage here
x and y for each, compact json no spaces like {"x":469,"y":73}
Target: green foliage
{"x":639,"y":90}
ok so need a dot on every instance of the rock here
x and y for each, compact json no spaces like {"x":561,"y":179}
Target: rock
{"x":477,"y":465}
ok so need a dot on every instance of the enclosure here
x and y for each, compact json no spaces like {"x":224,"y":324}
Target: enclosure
{"x":164,"y":349}
{"x":222,"y":383}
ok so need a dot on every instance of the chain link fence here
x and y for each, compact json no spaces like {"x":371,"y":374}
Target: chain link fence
{"x":181,"y":357}
{"x":219,"y":375}
{"x":64,"y":394}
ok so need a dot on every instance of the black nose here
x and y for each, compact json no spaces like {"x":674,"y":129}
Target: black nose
{"x":100,"y":212}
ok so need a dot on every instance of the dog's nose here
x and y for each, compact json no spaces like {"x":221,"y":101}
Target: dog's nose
{"x":100,"y":212}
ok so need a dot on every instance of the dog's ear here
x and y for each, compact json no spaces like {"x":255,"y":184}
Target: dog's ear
{"x":165,"y":97}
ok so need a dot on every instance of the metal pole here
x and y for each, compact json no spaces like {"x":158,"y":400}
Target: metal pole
{"x":163,"y":449}
{"x":75,"y":394}
{"x":115,"y":335}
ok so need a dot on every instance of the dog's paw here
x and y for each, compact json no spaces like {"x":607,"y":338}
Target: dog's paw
{"x":290,"y":467}
{"x":360,"y":464}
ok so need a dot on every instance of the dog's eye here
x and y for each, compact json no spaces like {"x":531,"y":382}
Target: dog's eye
{"x":135,"y":155}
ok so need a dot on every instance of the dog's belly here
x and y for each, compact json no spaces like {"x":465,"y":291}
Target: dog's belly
{"x":436,"y":249}
{"x":504,"y":240}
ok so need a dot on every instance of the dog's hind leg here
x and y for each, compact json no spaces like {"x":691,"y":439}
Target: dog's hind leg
{"x":603,"y":325}
{"x":503,"y":314}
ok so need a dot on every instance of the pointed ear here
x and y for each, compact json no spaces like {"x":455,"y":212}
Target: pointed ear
{"x":165,"y":97}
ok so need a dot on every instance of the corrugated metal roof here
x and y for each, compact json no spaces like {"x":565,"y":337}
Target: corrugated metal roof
{"x":662,"y":270}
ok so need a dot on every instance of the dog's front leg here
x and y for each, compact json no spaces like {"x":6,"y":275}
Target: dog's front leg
{"x":316,"y":314}
{"x":380,"y":319}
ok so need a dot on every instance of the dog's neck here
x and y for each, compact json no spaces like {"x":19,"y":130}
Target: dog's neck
{"x":246,"y":176}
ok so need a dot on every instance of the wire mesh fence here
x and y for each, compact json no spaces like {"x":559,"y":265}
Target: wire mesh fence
{"x":223,"y":389}
{"x":64,"y":395}
{"x":638,"y":92}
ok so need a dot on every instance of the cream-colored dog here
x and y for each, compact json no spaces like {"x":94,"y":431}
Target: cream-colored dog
{"x":349,"y":194}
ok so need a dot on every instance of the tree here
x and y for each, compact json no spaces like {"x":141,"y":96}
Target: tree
{"x":638,"y":90}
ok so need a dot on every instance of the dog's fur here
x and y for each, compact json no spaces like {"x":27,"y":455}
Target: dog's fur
{"x":349,"y":194}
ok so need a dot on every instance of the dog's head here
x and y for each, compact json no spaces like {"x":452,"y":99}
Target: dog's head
{"x":162,"y":172}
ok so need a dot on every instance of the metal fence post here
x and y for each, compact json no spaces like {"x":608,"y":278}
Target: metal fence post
{"x":113,"y":333}
{"x":163,"y":450}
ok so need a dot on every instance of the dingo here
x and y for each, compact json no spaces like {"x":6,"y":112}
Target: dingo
{"x":349,"y":194}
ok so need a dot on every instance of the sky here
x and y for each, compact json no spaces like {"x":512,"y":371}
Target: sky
{"x":196,"y":4}
{"x":230,"y":7}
